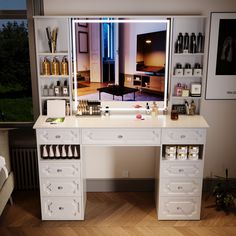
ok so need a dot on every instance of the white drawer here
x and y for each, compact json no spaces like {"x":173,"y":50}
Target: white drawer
{"x":59,"y":169}
{"x":58,"y":136}
{"x":60,"y":187}
{"x":183,"y":136}
{"x":181,"y":168}
{"x":61,"y":208}
{"x":179,"y":208}
{"x":180,"y":187}
{"x":121,"y":136}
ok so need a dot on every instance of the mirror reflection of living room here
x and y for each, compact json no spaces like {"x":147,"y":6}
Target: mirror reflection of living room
{"x":120,"y":60}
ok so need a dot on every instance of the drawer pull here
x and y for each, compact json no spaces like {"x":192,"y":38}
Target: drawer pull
{"x":61,"y":208}
{"x":180,"y":187}
{"x":182,"y":136}
{"x":178,"y":208}
{"x":181,"y":170}
{"x":59,"y":170}
{"x":59,"y":187}
{"x":58,"y":136}
{"x":120,"y":136}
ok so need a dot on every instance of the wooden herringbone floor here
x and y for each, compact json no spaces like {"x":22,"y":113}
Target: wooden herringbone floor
{"x":108,"y":214}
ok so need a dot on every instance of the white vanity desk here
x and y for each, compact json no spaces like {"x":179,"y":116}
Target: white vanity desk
{"x":62,"y":180}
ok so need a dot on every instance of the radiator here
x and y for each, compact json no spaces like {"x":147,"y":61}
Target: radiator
{"x":25,"y":168}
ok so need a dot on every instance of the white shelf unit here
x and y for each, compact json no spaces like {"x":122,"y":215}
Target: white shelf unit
{"x":186,"y":24}
{"x":63,"y":49}
{"x":61,"y":174}
{"x":180,"y":180}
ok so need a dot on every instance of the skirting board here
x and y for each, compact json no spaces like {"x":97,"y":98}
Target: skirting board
{"x":140,"y":185}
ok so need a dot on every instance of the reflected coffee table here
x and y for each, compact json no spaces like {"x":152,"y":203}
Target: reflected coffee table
{"x":117,"y":90}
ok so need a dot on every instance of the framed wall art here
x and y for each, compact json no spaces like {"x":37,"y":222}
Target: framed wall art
{"x":83,"y":42}
{"x":221,"y":73}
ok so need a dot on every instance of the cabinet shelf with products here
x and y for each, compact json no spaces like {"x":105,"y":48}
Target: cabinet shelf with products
{"x":53,"y":53}
{"x":187,"y":57}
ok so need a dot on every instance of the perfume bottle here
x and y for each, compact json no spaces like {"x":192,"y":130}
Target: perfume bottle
{"x":65,"y":90}
{"x":178,"y":90}
{"x":154,"y":109}
{"x":57,"y":89}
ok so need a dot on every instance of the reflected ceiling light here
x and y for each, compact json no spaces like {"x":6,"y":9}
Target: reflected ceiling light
{"x":148,"y":41}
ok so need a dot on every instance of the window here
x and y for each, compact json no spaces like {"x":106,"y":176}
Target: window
{"x":15,"y":79}
{"x":108,"y":40}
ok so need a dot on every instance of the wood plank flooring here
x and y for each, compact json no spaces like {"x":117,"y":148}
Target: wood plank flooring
{"x":108,"y":214}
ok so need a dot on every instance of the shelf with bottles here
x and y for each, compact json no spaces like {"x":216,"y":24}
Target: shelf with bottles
{"x":55,"y":88}
{"x":54,"y":66}
{"x":59,"y":152}
{"x":182,"y":152}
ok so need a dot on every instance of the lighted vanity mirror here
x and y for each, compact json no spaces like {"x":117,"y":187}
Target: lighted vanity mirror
{"x":121,"y":59}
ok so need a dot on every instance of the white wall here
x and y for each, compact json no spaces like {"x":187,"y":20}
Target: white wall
{"x":221,"y":139}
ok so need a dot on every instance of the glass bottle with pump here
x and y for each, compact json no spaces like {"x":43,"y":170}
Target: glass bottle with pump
{"x":55,"y":66}
{"x":64,"y":66}
{"x":46,"y":67}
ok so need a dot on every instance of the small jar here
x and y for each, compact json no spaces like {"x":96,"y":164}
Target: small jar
{"x":174,"y":115}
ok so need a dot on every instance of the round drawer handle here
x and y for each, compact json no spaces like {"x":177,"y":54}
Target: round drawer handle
{"x":181,"y":170}
{"x":180,"y":187}
{"x":120,"y":136}
{"x":59,"y":170}
{"x":58,"y":136}
{"x":61,"y":208}
{"x":178,"y":208}
{"x":182,"y":136}
{"x":59,"y":187}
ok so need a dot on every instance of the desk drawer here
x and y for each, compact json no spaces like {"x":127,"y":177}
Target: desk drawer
{"x":61,"y":208}
{"x":180,"y":187}
{"x":60,"y":186}
{"x":183,"y":136}
{"x":59,"y":169}
{"x":58,"y":136}
{"x":179,"y":208}
{"x":181,"y":169}
{"x":121,"y":136}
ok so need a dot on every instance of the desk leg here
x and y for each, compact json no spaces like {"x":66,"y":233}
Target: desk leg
{"x":99,"y":95}
{"x":134,"y":96}
{"x":122,"y":97}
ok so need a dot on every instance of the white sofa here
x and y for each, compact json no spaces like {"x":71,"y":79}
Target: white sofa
{"x":6,"y":175}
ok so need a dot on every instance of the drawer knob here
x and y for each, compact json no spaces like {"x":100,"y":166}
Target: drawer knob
{"x":181,"y":170}
{"x":120,"y":136}
{"x":182,"y":136}
{"x":179,"y":208}
{"x":58,"y":136}
{"x":61,"y":208}
{"x":180,"y":187}
{"x":59,"y":170}
{"x":60,"y":187}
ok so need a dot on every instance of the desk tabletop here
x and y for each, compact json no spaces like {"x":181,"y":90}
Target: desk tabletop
{"x":124,"y":121}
